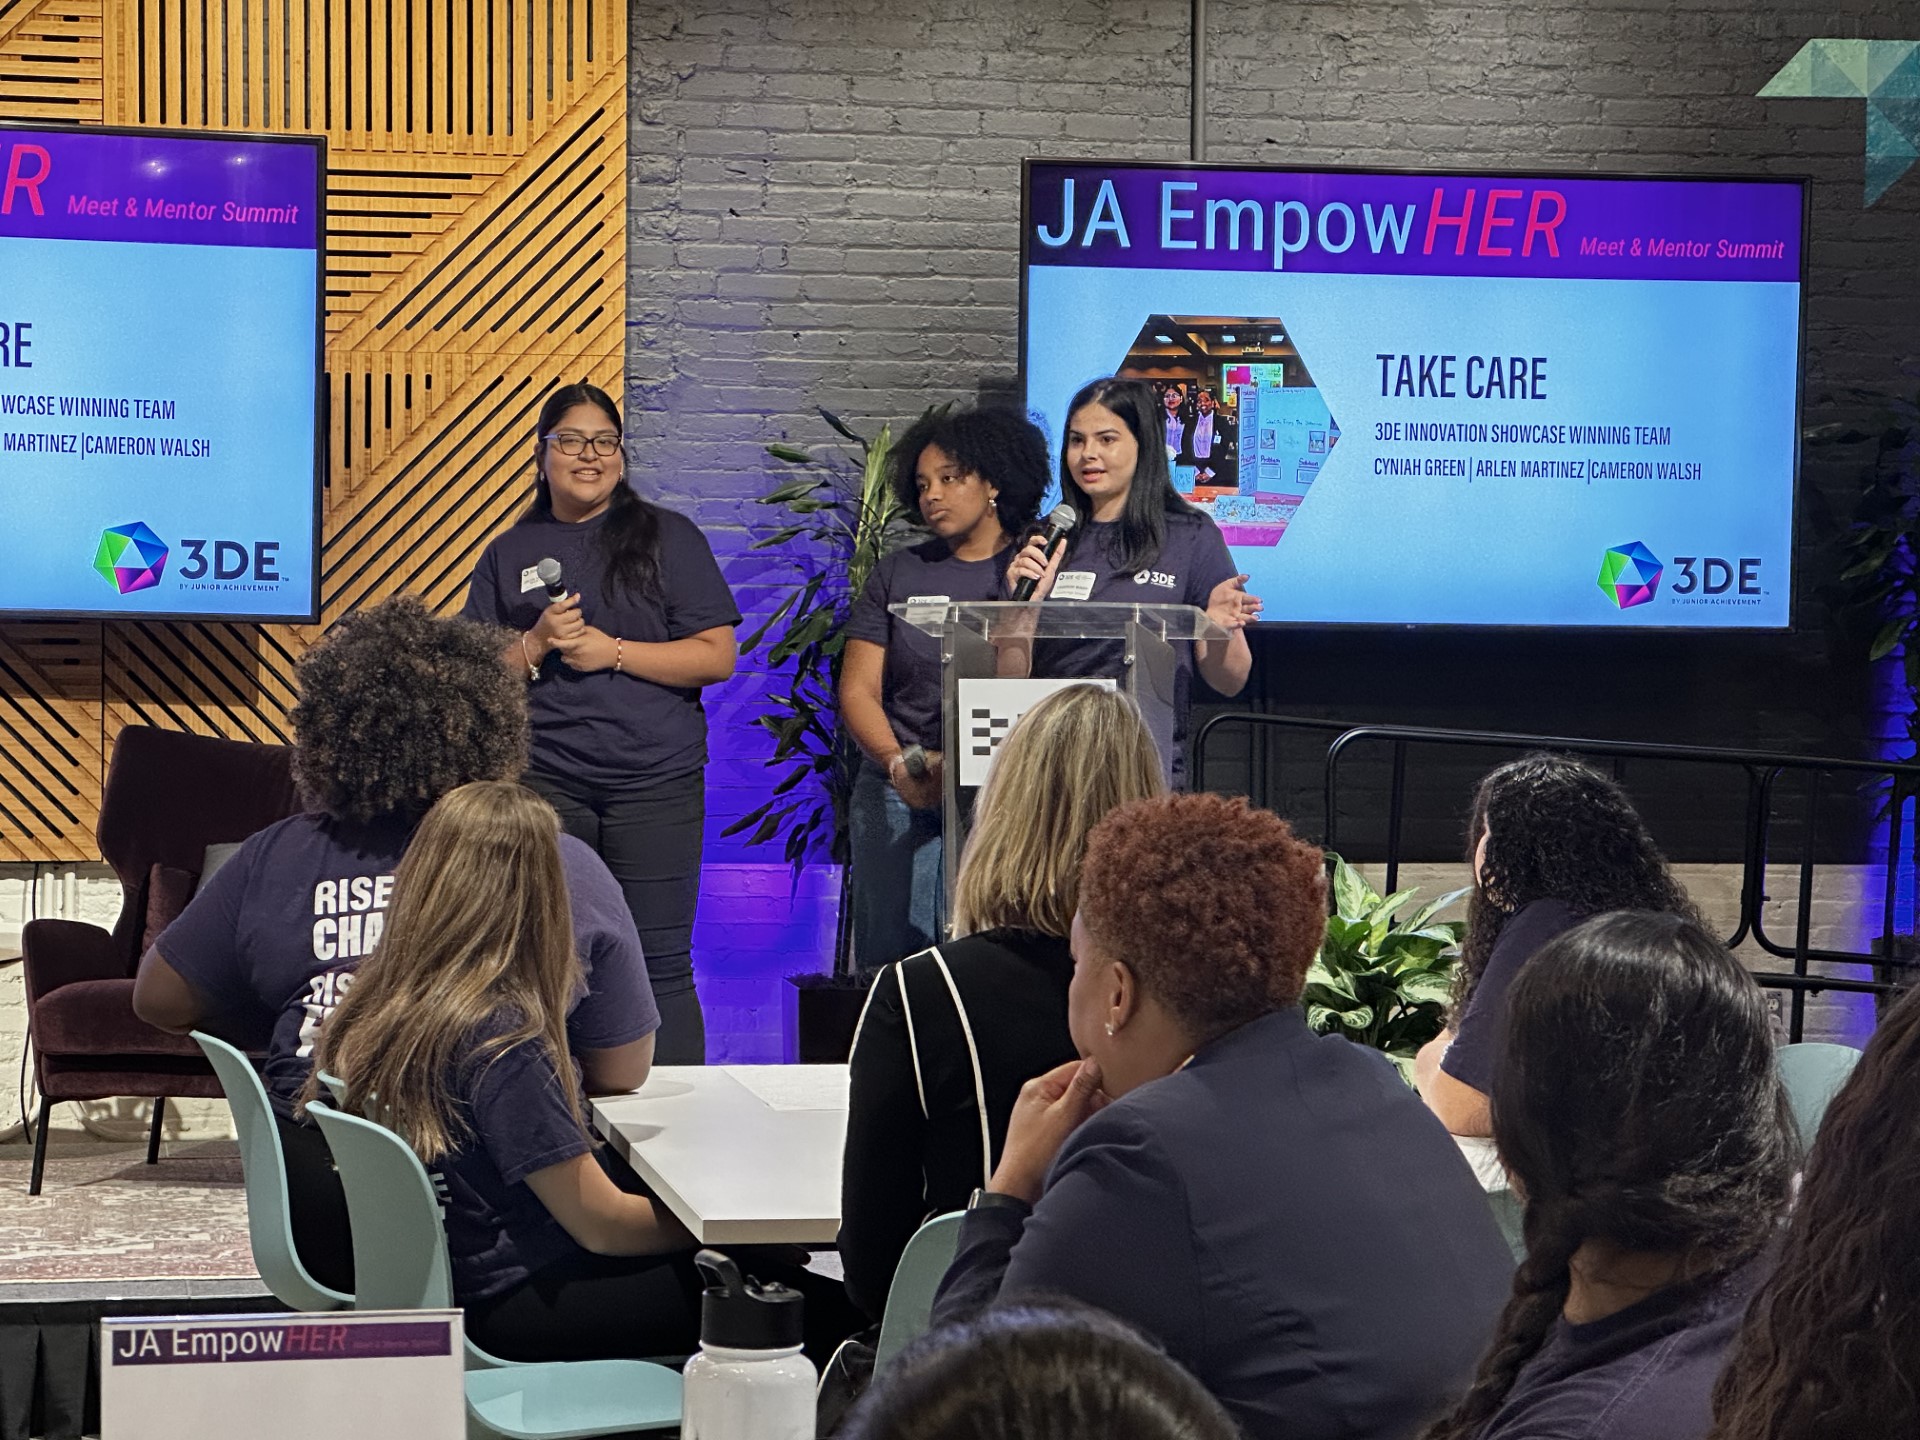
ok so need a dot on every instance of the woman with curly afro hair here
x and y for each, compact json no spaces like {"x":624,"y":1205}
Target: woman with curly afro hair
{"x":974,"y":478}
{"x":1551,"y":842}
{"x":396,"y":708}
{"x":1194,"y":1172}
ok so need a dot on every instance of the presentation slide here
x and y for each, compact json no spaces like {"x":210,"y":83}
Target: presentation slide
{"x":159,"y":354}
{"x":1447,"y":399}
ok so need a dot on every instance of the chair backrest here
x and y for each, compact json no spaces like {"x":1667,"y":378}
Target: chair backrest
{"x":168,"y":795}
{"x":910,"y":1298}
{"x":263,"y":1165}
{"x":1813,"y":1073}
{"x":399,"y":1240}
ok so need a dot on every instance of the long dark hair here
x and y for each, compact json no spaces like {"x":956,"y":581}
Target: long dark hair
{"x":1638,"y":1105}
{"x":1831,"y":1344}
{"x":629,"y":538}
{"x":1143,"y":524}
{"x":995,"y":442}
{"x":1560,"y":831}
{"x":1043,"y":1370}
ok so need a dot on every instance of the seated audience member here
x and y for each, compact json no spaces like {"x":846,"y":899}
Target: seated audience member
{"x":1642,"y":1119}
{"x":1551,"y":842}
{"x":1831,"y":1344}
{"x":454,"y":1034}
{"x":1277,"y":1208}
{"x":396,"y":708}
{"x":1037,"y":1372}
{"x":951,"y":1034}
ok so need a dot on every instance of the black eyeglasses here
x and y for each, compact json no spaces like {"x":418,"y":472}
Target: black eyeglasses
{"x":567,"y":443}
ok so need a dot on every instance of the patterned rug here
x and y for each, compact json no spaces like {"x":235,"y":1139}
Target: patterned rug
{"x":104,"y":1214}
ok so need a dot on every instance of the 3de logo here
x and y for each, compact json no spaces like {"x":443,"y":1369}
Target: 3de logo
{"x":130,"y":557}
{"x":231,"y":560}
{"x":1711,"y":575}
{"x":1155,"y":577}
{"x":1630,"y":575}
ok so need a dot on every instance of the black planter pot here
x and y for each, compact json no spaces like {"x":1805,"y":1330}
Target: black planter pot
{"x":821,"y":1014}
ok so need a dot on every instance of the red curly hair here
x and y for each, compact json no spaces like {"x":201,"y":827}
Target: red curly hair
{"x":1215,"y":906}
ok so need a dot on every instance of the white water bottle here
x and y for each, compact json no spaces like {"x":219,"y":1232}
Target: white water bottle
{"x":749,"y":1381}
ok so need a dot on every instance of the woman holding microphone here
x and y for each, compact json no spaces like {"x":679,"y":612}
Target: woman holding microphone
{"x":1138,"y":542}
{"x":975,"y":479}
{"x":614,"y":669}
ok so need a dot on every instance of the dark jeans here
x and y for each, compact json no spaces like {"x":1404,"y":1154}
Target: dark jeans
{"x":316,"y":1205}
{"x":650,"y":837}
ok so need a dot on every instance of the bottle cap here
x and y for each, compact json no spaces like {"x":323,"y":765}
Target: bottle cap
{"x":744,"y":1314}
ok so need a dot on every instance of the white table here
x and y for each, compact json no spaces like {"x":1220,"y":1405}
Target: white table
{"x":742,"y":1154}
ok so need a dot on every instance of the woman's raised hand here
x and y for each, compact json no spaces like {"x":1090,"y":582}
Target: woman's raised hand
{"x":559,"y":621}
{"x":1050,"y":1107}
{"x":1032,"y":563}
{"x":1230,"y":606}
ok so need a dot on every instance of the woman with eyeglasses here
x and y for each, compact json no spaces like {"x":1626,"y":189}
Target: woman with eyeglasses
{"x":614,"y":670}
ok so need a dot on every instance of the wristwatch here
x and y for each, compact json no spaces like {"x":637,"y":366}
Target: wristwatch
{"x":914,"y":757}
{"x":984,"y":1199}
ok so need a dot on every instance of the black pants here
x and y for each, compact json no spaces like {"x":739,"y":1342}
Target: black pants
{"x":650,"y":837}
{"x":603,"y":1307}
{"x":316,"y":1205}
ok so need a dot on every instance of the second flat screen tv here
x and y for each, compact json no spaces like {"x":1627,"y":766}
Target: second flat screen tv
{"x":1411,"y":399}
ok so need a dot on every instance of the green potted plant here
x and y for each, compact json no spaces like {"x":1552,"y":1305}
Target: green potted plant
{"x":1383,"y":977}
{"x":1880,"y":584}
{"x":840,"y":517}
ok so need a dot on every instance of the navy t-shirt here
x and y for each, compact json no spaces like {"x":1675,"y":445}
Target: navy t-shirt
{"x":910,"y":684}
{"x":1480,"y":1039}
{"x":518,"y":1122}
{"x":609,"y":730}
{"x":1192,"y":562}
{"x":1646,"y":1373}
{"x":272,"y":939}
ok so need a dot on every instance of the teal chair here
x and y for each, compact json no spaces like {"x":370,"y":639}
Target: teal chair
{"x":917,"y":1278}
{"x":263,"y":1166}
{"x":1813,"y":1073}
{"x":400,"y":1263}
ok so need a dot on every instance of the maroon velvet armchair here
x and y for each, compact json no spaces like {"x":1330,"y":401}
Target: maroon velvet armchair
{"x":168,"y":796}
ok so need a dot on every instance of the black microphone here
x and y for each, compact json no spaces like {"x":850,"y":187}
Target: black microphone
{"x":549,"y":572}
{"x":1061,"y":520}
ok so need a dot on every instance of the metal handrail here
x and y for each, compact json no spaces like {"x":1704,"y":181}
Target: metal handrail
{"x":1762,"y":769}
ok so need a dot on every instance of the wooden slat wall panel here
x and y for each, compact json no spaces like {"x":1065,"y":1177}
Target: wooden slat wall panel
{"x":476,"y":252}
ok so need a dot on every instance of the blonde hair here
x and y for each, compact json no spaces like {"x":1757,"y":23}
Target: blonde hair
{"x":1074,"y":756}
{"x":479,"y":931}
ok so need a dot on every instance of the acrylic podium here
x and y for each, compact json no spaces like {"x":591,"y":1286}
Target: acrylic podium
{"x":994,"y":661}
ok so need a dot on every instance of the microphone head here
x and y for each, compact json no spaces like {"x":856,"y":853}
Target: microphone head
{"x":1062,"y":518}
{"x":549,"y":572}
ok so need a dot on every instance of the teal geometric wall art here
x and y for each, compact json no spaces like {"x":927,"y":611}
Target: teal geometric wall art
{"x":1884,"y":73}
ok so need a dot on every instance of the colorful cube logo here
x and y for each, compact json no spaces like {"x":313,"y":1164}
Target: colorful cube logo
{"x":1629,"y":575}
{"x":131,"y":557}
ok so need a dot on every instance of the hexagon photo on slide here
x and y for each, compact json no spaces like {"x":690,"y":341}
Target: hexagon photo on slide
{"x":1246,"y":429}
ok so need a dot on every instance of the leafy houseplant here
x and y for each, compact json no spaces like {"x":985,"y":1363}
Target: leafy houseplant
{"x":1381,"y":980}
{"x":842,"y":508}
{"x":1883,"y":544}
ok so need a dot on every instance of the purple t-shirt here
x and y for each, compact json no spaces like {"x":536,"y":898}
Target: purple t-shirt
{"x":609,"y":730}
{"x":1480,"y":1040}
{"x":273,"y":938}
{"x":1193,"y":560}
{"x":1646,"y":1373}
{"x":498,"y":1232}
{"x":910,"y":684}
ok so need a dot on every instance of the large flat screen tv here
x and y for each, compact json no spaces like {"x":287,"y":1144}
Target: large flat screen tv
{"x":1441,"y":398}
{"x":159,"y":374}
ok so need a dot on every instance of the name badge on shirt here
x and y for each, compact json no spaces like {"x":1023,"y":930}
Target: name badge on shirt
{"x":530,"y":579}
{"x":1072,"y":585}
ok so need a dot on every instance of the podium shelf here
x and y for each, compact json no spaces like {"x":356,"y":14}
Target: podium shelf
{"x":1058,"y":619}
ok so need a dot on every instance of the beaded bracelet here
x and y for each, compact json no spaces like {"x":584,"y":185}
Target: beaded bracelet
{"x":619,"y":646}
